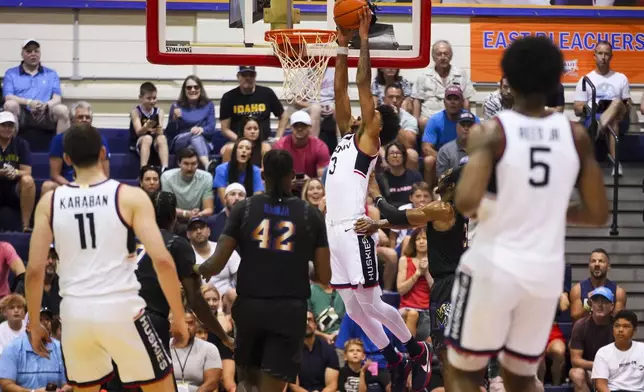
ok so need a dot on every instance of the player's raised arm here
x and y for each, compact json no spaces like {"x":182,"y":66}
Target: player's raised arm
{"x":363,"y":77}
{"x":137,"y":208}
{"x":41,"y":239}
{"x":593,"y":208}
{"x":485,"y":143}
{"x":341,"y":82}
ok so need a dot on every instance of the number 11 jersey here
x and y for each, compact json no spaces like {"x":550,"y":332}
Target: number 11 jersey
{"x":522,"y":218}
{"x":95,"y":245}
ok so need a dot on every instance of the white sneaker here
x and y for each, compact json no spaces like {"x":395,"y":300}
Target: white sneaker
{"x":620,"y":172}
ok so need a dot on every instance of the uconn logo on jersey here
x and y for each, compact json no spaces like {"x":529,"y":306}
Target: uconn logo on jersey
{"x":341,"y":147}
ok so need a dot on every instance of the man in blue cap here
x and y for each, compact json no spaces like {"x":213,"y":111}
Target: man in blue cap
{"x":589,"y":335}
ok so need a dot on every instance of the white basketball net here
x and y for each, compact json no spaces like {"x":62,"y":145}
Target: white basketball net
{"x":304,"y":56}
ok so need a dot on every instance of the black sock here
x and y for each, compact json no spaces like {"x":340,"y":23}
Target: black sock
{"x":390,"y":354}
{"x":413,"y":348}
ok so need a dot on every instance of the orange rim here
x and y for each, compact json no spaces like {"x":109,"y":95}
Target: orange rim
{"x":299,"y":36}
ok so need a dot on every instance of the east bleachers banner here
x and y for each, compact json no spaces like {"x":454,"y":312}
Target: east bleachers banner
{"x":576,"y":38}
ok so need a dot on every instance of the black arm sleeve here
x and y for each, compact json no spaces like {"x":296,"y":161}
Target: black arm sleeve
{"x":318,"y":227}
{"x":234,"y":221}
{"x":395,"y":216}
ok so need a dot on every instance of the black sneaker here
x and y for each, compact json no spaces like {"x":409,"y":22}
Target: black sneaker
{"x":399,"y":373}
{"x":421,"y":368}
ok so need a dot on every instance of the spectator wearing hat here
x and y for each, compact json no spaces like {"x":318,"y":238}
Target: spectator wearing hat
{"x":17,"y":186}
{"x":32,"y":92}
{"x":10,"y":261}
{"x":620,"y":366}
{"x":589,"y":335}
{"x":192,"y":186}
{"x":233,"y":194}
{"x":441,"y":129}
{"x":310,"y":154}
{"x":225,"y":281}
{"x":250,"y":100}
{"x":22,"y":369}
{"x":13,"y":308}
{"x":453,"y":153}
{"x":192,"y":120}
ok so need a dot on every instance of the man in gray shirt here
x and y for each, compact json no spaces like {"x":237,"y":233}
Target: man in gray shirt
{"x":453,"y":153}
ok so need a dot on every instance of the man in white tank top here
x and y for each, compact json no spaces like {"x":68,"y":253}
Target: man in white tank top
{"x":522,"y":168}
{"x":353,"y":256}
{"x":93,"y":221}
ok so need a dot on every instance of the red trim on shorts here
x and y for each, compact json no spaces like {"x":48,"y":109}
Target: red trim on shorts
{"x":523,"y":357}
{"x":137,"y":384}
{"x":91,"y":383}
{"x":353,"y":286}
{"x":360,"y":173}
{"x":461,"y":350}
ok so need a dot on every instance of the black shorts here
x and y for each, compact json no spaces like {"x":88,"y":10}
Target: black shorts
{"x":9,"y":194}
{"x":440,"y":308}
{"x":270,"y":335}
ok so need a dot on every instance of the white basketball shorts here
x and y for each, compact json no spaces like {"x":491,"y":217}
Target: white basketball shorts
{"x":97,"y":331}
{"x":353,"y":257}
{"x":492,"y":313}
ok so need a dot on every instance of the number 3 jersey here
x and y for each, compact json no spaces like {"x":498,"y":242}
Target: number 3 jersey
{"x":95,"y":246}
{"x":522,"y":218}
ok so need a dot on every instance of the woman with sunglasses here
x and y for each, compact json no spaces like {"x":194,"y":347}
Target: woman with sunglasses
{"x":192,"y":120}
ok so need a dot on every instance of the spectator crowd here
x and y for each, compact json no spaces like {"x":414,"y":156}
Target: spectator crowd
{"x":218,"y":163}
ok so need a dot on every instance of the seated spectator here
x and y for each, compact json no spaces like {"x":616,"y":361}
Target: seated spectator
{"x":391,"y":77}
{"x":310,"y":154}
{"x":556,"y":101}
{"x":250,"y":99}
{"x":429,"y":90}
{"x":498,"y":100}
{"x":396,"y":181}
{"x":233,"y":194}
{"x":314,"y":194}
{"x":414,"y":284}
{"x":612,"y":99}
{"x":598,"y":265}
{"x":22,"y":369}
{"x":250,"y":131}
{"x":358,"y":374}
{"x":419,"y":197}
{"x":32,"y":92}
{"x":197,"y":367}
{"x":51,"y":291}
{"x":10,"y":261}
{"x":17,"y":186}
{"x":13,"y":308}
{"x":322,"y":112}
{"x":146,"y":127}
{"x":150,"y":179}
{"x":219,"y":310}
{"x":408,"y":134}
{"x":452,"y":154}
{"x":192,"y":120}
{"x":61,"y":173}
{"x":619,"y":366}
{"x":441,"y":129}
{"x":588,"y":336}
{"x":240,"y":169}
{"x":192,"y":186}
{"x":319,"y":367}
{"x":226,"y":280}
{"x":328,"y":309}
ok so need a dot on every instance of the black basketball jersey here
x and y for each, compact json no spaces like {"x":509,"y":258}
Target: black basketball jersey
{"x":276,"y":241}
{"x":445,"y":248}
{"x":184,"y":259}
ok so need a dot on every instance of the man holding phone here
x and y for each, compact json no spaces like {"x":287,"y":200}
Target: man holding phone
{"x":310,"y":154}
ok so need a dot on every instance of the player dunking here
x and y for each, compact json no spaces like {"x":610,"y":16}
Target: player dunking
{"x":94,"y":221}
{"x":522,"y":168}
{"x":353,"y":256}
{"x":277,"y":235}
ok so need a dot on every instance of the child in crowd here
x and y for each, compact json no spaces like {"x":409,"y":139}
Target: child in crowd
{"x":146,"y":127}
{"x":357,"y":371}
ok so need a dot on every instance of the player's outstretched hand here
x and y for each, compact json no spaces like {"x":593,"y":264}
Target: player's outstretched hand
{"x":365,"y":22}
{"x":180,"y":334}
{"x":440,"y":211}
{"x":344,"y":36}
{"x":39,"y":337}
{"x":365,"y":225}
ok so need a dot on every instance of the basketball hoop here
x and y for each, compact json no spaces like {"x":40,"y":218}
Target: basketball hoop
{"x":304,"y":55}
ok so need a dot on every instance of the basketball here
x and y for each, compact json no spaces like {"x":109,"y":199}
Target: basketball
{"x":345,"y":13}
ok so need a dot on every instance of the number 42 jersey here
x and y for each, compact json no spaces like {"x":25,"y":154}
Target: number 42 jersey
{"x":95,"y":246}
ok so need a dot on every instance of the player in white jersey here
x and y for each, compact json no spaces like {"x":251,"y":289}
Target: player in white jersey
{"x":353,"y":256}
{"x":523,"y":166}
{"x":93,"y":221}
